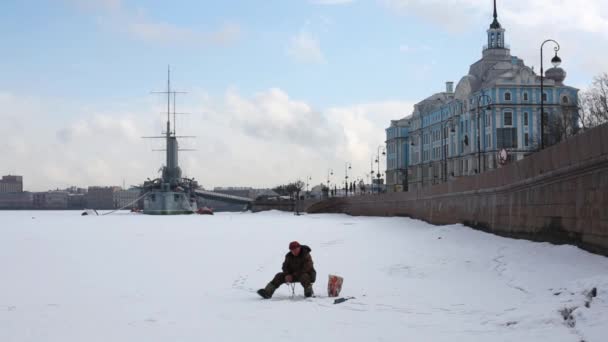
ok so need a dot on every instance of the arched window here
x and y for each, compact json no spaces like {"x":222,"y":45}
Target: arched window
{"x":507,"y":96}
{"x":525,"y":96}
{"x":565,"y":100}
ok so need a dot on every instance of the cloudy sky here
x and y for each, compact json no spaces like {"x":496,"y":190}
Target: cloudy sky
{"x":277,"y":89}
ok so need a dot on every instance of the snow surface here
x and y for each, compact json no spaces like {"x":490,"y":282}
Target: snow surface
{"x":129,"y":277}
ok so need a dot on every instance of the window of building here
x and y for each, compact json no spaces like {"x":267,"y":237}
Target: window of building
{"x":507,"y":96}
{"x":525,"y":118}
{"x":506,"y":137}
{"x":526,"y":140}
{"x":544,"y":96}
{"x":525,"y":96}
{"x":508,"y":119}
{"x":565,"y":100}
{"x":488,"y":141}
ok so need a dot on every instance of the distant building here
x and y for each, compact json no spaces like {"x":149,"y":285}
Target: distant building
{"x":101,"y":197}
{"x":76,"y":190}
{"x":77,"y":201}
{"x":56,"y":200}
{"x":494,"y":108}
{"x":397,"y":155}
{"x":11,"y":184}
{"x":126,"y":198}
{"x":16,"y":200}
{"x":39,"y":200}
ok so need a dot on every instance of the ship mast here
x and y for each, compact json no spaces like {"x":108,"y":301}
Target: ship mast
{"x":171,"y":171}
{"x":168,"y":102}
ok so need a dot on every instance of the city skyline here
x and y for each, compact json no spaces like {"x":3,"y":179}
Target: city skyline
{"x":271,"y":100}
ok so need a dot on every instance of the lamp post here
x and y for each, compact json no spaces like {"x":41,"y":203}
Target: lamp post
{"x":347,"y":166}
{"x":371,"y":173}
{"x":556,"y":61}
{"x":308,"y":178}
{"x":378,"y":175}
{"x":488,"y":99}
{"x":330,"y":172}
{"x":445,"y":147}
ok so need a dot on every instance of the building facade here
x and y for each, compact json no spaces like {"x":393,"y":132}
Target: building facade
{"x":77,"y":201}
{"x":397,"y":155}
{"x":101,"y":197}
{"x":11,"y":184}
{"x":56,"y":200}
{"x":492,"y":117}
{"x":16,"y":200}
{"x":126,"y":198}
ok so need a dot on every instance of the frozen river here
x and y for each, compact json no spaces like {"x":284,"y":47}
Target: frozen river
{"x":129,"y":277}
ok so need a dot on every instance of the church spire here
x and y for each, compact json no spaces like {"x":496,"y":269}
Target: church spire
{"x":496,"y":34}
{"x":495,"y":24}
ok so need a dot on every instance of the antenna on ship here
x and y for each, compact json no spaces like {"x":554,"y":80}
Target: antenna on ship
{"x":168,"y":134}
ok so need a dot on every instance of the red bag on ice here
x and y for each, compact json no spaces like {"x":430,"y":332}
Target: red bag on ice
{"x":334,"y":285}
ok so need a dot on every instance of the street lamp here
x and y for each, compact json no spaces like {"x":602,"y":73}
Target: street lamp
{"x":371,"y":173}
{"x":347,"y":166}
{"x":444,"y":147}
{"x":556,"y":61}
{"x":330,"y":172}
{"x":378,"y":175}
{"x":489,"y":103}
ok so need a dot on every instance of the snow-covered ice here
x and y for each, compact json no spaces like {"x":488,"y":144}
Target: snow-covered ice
{"x":128,"y":277}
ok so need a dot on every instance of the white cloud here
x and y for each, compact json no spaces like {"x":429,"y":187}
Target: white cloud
{"x":305,"y":48}
{"x":578,"y":26}
{"x":259,"y":140}
{"x":115,"y":15}
{"x":584,"y":15}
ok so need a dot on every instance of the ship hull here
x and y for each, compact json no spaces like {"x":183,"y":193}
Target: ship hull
{"x":168,"y":203}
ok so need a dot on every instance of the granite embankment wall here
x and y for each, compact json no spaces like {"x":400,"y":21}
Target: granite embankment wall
{"x":558,"y":195}
{"x":284,"y":205}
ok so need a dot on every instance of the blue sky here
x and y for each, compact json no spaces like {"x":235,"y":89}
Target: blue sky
{"x":86,"y":51}
{"x":77,"y":71}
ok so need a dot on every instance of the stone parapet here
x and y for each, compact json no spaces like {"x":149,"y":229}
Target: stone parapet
{"x":558,"y":195}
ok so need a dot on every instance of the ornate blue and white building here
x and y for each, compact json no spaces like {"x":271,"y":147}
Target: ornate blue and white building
{"x":397,"y":154}
{"x":495,"y":107}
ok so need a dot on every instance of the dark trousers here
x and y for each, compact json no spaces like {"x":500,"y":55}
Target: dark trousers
{"x":305,"y":279}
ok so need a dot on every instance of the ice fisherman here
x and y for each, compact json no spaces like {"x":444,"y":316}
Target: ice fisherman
{"x":297,"y":267}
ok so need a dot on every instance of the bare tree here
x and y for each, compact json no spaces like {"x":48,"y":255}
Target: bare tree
{"x":594,"y":102}
{"x":563,"y":125}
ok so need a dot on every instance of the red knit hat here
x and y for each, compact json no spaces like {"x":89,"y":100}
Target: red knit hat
{"x":293,"y":245}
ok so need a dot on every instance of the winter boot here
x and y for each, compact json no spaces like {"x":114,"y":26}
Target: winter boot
{"x":267,"y":292}
{"x":308,"y":292}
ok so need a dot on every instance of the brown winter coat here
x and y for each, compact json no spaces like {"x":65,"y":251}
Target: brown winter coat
{"x":298,"y":265}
